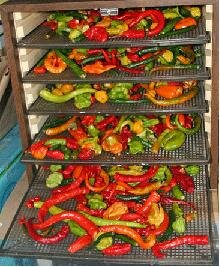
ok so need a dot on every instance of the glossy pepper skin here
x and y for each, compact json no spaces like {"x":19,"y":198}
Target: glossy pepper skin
{"x":80,"y":243}
{"x":38,"y":150}
{"x":97,"y":33}
{"x":55,"y":154}
{"x":60,"y":235}
{"x":178,"y":241}
{"x":184,"y":180}
{"x":117,"y":249}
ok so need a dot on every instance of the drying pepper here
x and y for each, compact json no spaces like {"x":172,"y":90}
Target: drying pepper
{"x":98,"y":67}
{"x":38,"y":150}
{"x":171,"y":200}
{"x":185,"y":181}
{"x":173,"y":140}
{"x":79,"y":134}
{"x":157,"y":144}
{"x":80,"y":243}
{"x":68,"y":171}
{"x":178,"y":241}
{"x":185,"y":22}
{"x":96,"y":33}
{"x":52,"y":24}
{"x":55,"y":154}
{"x":197,"y":123}
{"x":88,"y":120}
{"x":132,"y":71}
{"x":54,"y":179}
{"x":134,"y":33}
{"x":117,"y":249}
{"x":105,"y":178}
{"x":154,"y":197}
{"x":124,"y":230}
{"x":137,"y":178}
{"x":86,"y":153}
{"x":39,"y":70}
{"x":169,"y":26}
{"x":147,"y":189}
{"x":60,"y":235}
{"x":169,"y":231}
{"x":58,"y":198}
{"x":177,"y":193}
{"x":103,"y":124}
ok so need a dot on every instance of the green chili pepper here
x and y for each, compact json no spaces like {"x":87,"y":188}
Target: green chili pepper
{"x":55,"y":141}
{"x":197,"y":123}
{"x":66,"y":181}
{"x":178,"y":31}
{"x":148,"y":50}
{"x":173,"y":140}
{"x":74,"y":227}
{"x":101,"y":222}
{"x":48,"y":96}
{"x":169,"y":231}
{"x":169,"y":26}
{"x":185,"y":12}
{"x":74,"y":67}
{"x":149,"y":66}
{"x":157,"y":144}
{"x":99,"y":238}
{"x":76,"y":15}
{"x":143,"y":62}
{"x":131,"y":197}
{"x":55,"y":122}
{"x":93,"y":131}
{"x":125,"y":239}
{"x":105,"y":242}
{"x":177,"y":193}
{"x":91,"y":59}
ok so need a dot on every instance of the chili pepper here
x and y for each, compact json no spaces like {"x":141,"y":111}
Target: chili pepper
{"x":86,"y":224}
{"x":52,"y":24}
{"x":86,"y":154}
{"x":55,"y":141}
{"x":73,"y":23}
{"x":148,"y":50}
{"x":60,"y":235}
{"x":169,"y":91}
{"x":133,"y":57}
{"x":38,"y":150}
{"x":157,"y":144}
{"x":91,"y":59}
{"x":169,"y":26}
{"x":71,"y":143}
{"x":58,"y":198}
{"x":142,"y":62}
{"x":126,"y":15}
{"x":71,"y":63}
{"x":61,"y":128}
{"x":171,"y":200}
{"x":66,"y":181}
{"x":131,"y":197}
{"x":30,"y":202}
{"x":88,"y":120}
{"x":83,"y":208}
{"x":103,"y":124}
{"x":39,"y":70}
{"x":197,"y":123}
{"x":178,"y":32}
{"x":120,"y":229}
{"x":174,"y":101}
{"x":154,"y":197}
{"x":168,"y":187}
{"x":177,"y":193}
{"x":168,"y":123}
{"x":114,"y":60}
{"x":185,"y":22}
{"x":147,"y":189}
{"x":177,"y":67}
{"x":137,"y":178}
{"x":132,"y":217}
{"x":96,"y":33}
{"x":93,"y":171}
{"x":55,"y":154}
{"x":98,"y":67}
{"x":80,"y":243}
{"x":117,"y":249}
{"x":133,"y":71}
{"x":105,"y":177}
{"x":178,"y":241}
{"x":173,"y":140}
{"x":125,"y":134}
{"x":158,"y":128}
{"x":134,"y":34}
{"x":185,"y":181}
{"x":79,"y":134}
{"x":167,"y":234}
{"x":101,"y":222}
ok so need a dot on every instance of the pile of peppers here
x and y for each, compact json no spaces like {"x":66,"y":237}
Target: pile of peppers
{"x":84,"y":95}
{"x":116,"y":209}
{"x":132,"y":24}
{"x":89,"y":135}
{"x":134,"y":60}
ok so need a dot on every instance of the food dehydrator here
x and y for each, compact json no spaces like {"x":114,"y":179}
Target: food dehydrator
{"x":27,"y":41}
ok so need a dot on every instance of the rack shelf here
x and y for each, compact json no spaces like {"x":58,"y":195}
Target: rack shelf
{"x":43,"y":107}
{"x":43,"y":37}
{"x":17,"y":243}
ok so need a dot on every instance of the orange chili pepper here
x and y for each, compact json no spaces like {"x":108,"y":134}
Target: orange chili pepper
{"x":168,"y":123}
{"x":115,"y":211}
{"x":147,"y":189}
{"x":169,"y":91}
{"x":97,"y":67}
{"x":181,"y":119}
{"x":77,"y":171}
{"x":105,"y":177}
{"x":112,"y":144}
{"x":184,"y":23}
{"x":61,"y":128}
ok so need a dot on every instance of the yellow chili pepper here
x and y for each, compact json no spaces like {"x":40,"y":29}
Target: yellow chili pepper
{"x":101,"y":96}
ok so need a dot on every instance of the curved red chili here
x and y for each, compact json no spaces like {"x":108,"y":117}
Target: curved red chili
{"x":178,"y":241}
{"x":85,"y":223}
{"x":80,"y":243}
{"x":154,"y":197}
{"x":64,"y":231}
{"x":117,"y":249}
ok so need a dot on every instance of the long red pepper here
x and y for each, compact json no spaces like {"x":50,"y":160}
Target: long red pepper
{"x":178,"y":241}
{"x":154,"y":197}
{"x":58,"y":198}
{"x":60,"y":235}
{"x":105,"y":122}
{"x":133,"y":71}
{"x":171,"y":200}
{"x":133,"y":217}
{"x":80,"y":243}
{"x":117,"y":249}
{"x":85,"y":223}
{"x":55,"y":154}
{"x":150,"y":173}
{"x":97,"y":213}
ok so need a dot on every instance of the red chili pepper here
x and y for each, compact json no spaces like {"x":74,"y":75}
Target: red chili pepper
{"x":30,"y":202}
{"x":146,"y":56}
{"x":55,"y":154}
{"x":38,"y":150}
{"x":106,"y":56}
{"x":171,"y":200}
{"x":125,"y":134}
{"x":158,"y":128}
{"x":178,"y":241}
{"x":94,"y":51}
{"x":168,"y":187}
{"x":86,"y":154}
{"x":60,"y":235}
{"x":97,"y":213}
{"x":135,"y":88}
{"x":80,"y":243}
{"x":137,"y":178}
{"x":133,"y":33}
{"x":71,"y":143}
{"x":117,"y":249}
{"x":88,"y":120}
{"x":93,"y":171}
{"x":136,"y":97}
{"x":133,"y":70}
{"x":154,"y":197}
{"x":133,"y":57}
{"x":39,"y":70}
{"x":96,"y":33}
{"x":73,"y":23}
{"x":132,"y":217}
{"x":184,"y":180}
{"x":52,"y":24}
{"x":188,"y":121}
{"x":124,"y":16}
{"x":68,"y":171}
{"x":78,"y":133}
{"x":58,"y":198}
{"x":85,"y":223}
{"x":114,"y":59}
{"x":103,"y":124}
{"x":109,"y":193}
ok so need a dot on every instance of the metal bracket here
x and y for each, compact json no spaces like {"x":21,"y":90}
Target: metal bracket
{"x":109,"y":11}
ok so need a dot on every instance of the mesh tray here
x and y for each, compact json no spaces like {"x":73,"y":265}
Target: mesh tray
{"x":120,"y":76}
{"x":196,"y":104}
{"x":42,"y":37}
{"x":18,"y":244}
{"x":194,"y":151}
